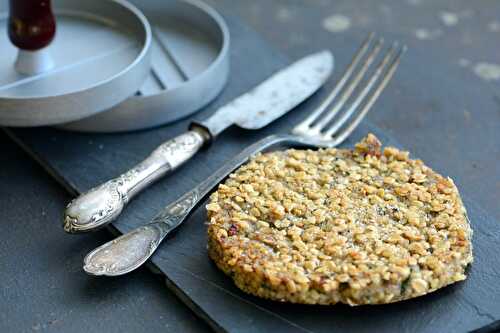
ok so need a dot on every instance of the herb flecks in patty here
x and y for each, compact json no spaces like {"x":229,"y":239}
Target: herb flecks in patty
{"x":362,"y":226}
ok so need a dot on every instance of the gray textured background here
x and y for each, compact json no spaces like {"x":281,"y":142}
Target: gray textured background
{"x":441,"y":88}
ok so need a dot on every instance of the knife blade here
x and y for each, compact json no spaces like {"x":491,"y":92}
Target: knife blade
{"x":253,"y":110}
{"x":274,"y":97}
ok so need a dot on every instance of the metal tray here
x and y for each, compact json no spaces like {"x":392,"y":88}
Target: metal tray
{"x":102,"y":55}
{"x":190,"y":66}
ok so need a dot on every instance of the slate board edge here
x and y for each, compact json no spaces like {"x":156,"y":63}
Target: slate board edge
{"x":71,"y":189}
{"x":179,"y":292}
{"x":115,"y":232}
{"x":43,"y":163}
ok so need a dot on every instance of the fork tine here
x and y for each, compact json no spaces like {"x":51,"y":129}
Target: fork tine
{"x":347,"y":74}
{"x":380,"y":68}
{"x":371,"y":100}
{"x":350,"y":88}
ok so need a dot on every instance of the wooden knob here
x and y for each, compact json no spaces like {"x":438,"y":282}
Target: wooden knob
{"x":31,"y":24}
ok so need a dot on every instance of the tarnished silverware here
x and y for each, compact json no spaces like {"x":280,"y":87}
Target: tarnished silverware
{"x":253,"y":110}
{"x":131,"y":250}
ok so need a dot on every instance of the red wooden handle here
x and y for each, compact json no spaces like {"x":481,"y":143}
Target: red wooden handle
{"x":31,"y":24}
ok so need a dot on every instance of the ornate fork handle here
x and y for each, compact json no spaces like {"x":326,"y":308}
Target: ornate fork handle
{"x":102,"y":204}
{"x":131,"y":250}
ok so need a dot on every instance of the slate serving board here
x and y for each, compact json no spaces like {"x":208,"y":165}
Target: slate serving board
{"x":80,"y":161}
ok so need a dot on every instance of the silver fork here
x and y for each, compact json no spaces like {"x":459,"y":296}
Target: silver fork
{"x":319,"y":129}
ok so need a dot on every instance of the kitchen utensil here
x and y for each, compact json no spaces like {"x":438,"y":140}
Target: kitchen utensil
{"x":190,"y":66}
{"x":253,"y":110}
{"x":101,"y":56}
{"x":78,"y":161}
{"x":132,"y":249}
{"x":32,"y":28}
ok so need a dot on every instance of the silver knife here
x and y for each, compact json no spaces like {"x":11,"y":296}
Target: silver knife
{"x":253,"y":110}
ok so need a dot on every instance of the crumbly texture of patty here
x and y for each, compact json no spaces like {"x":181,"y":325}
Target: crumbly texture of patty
{"x":362,"y":226}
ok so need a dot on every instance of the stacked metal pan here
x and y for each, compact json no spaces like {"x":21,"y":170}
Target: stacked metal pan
{"x":118,"y":66}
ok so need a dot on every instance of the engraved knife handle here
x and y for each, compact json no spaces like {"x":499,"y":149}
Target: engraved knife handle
{"x":102,"y":204}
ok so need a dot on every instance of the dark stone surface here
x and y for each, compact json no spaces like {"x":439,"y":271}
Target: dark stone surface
{"x":43,"y":285}
{"x":437,"y":108}
{"x":85,"y":160}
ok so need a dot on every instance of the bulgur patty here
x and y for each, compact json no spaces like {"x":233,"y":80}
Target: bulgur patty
{"x":362,"y":226}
